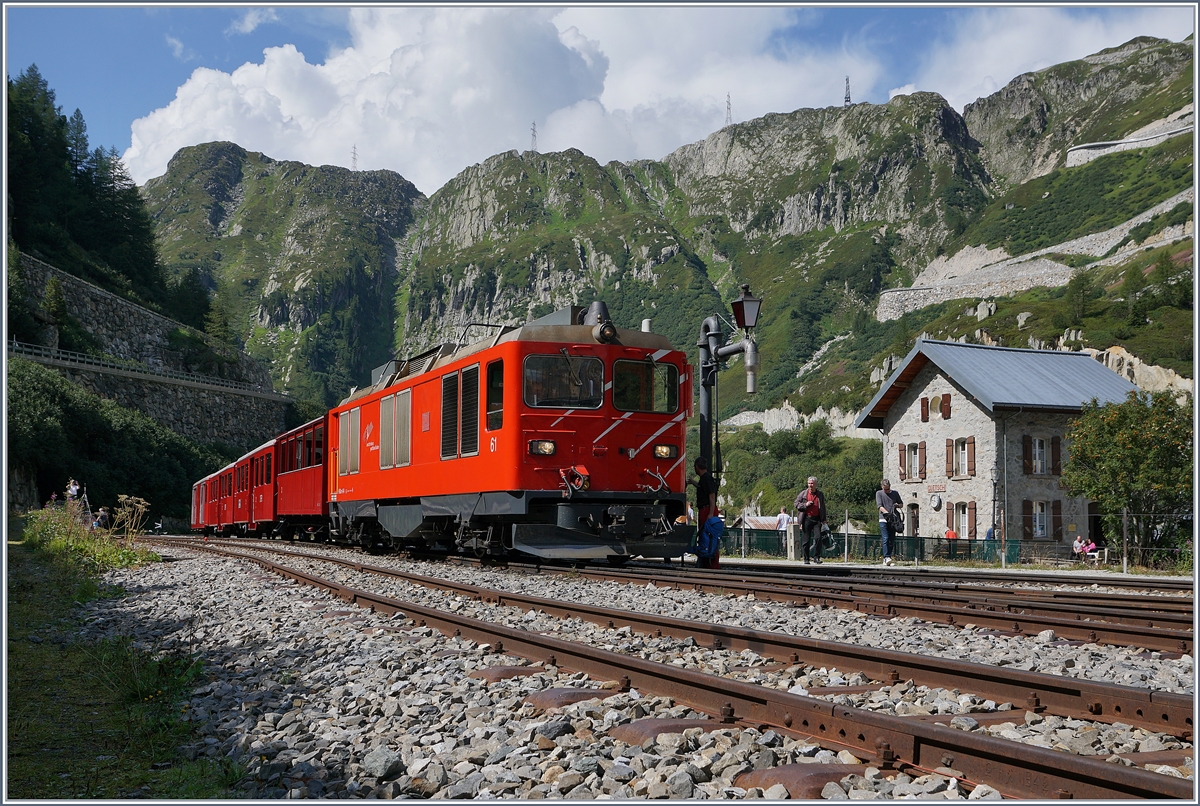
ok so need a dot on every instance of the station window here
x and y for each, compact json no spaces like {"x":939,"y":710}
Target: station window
{"x":1039,"y":519}
{"x":645,"y":386}
{"x":1039,"y":456}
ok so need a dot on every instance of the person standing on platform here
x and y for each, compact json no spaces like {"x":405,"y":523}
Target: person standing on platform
{"x":706,"y":507}
{"x":783,"y":521}
{"x":810,"y":503}
{"x":888,"y":501}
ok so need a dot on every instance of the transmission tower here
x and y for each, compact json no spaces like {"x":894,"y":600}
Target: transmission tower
{"x":533,"y":138}
{"x":728,"y":111}
{"x":847,"y":102}
{"x":354,"y":158}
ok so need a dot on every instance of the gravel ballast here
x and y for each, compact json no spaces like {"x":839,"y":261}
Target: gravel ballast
{"x":319,"y":699}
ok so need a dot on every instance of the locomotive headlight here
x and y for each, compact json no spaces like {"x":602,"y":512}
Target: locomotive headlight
{"x":542,"y":447}
{"x":666,"y":451}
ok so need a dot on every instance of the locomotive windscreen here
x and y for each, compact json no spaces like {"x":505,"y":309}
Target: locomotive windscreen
{"x":564,"y":381}
{"x":645,"y":386}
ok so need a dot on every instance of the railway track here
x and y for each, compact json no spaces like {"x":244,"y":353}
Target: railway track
{"x":1160,"y":623}
{"x":1178,"y":585}
{"x":883,"y":740}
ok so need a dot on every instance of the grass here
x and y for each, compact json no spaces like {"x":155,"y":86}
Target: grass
{"x":90,"y":720}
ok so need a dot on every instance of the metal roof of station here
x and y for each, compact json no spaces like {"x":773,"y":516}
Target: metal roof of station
{"x":1004,"y":378}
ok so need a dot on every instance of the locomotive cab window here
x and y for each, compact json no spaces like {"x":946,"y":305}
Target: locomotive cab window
{"x":495,"y":396}
{"x":645,"y":386}
{"x":563,"y":381}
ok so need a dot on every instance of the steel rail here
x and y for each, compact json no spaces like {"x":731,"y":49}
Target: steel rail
{"x":1005,"y":616}
{"x":1076,"y":698}
{"x":895,"y":572}
{"x":1015,"y":769}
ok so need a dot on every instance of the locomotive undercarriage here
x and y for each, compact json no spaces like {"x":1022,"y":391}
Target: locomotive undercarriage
{"x":588,"y":526}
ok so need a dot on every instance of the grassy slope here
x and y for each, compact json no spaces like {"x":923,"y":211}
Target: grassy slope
{"x":1072,"y":202}
{"x":69,"y":736}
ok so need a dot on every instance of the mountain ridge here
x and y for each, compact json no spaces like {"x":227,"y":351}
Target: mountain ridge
{"x":819,"y":210}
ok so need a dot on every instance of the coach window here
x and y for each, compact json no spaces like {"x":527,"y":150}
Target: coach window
{"x":318,"y":444}
{"x":308,"y":448}
{"x":495,"y":395}
{"x":563,"y":381}
{"x":267,"y":479}
{"x":348,"y":437}
{"x":403,"y":427}
{"x":645,"y":386}
{"x":387,"y":439}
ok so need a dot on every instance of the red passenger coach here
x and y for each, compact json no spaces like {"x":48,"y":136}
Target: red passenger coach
{"x":562,"y":438}
{"x":300,"y":481}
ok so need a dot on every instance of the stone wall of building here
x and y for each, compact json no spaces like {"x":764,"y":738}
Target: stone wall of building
{"x":126,"y":330}
{"x":998,"y":458}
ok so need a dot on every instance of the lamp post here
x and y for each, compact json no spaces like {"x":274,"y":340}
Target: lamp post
{"x":995,"y":486}
{"x":713,"y":352}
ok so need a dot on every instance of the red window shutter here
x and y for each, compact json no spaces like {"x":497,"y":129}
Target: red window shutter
{"x":1056,"y":455}
{"x":903,"y":462}
{"x":949,"y":458}
{"x":921,"y":459}
{"x":1027,"y":454}
{"x":1027,"y":517}
{"x":946,"y":406}
{"x":970,"y":456}
{"x":924,"y":409}
{"x":971,"y":532}
{"x":1056,"y":520}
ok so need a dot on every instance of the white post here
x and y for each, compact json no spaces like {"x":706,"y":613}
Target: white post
{"x":743,"y":533}
{"x":1124,"y":540}
{"x":846,"y":531}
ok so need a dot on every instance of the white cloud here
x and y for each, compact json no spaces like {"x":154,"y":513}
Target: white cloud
{"x":251,"y":20}
{"x":179,"y":50}
{"x":427,"y":91}
{"x":907,"y":89}
{"x":990,"y":47}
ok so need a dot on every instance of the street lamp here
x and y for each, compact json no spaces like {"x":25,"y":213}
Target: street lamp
{"x":745,"y":309}
{"x":713,"y":351}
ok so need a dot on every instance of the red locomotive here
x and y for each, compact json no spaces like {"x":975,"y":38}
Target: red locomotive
{"x":562,"y":438}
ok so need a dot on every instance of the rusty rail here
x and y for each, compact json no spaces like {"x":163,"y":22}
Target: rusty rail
{"x":1017,"y":770}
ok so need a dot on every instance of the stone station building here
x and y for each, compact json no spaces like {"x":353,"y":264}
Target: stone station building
{"x":971,"y":432}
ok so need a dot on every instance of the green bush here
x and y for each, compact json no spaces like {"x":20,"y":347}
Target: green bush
{"x":57,"y":429}
{"x":62,"y":532}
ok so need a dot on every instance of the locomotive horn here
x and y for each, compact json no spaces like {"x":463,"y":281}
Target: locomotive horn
{"x":597,"y":313}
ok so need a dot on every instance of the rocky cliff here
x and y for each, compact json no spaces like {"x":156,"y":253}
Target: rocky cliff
{"x":301,"y":259}
{"x":326,"y":272}
{"x":1026,"y":127}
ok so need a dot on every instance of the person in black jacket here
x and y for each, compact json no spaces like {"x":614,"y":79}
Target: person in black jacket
{"x":810,"y":504}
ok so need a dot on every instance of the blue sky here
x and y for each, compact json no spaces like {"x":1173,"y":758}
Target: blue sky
{"x":428,"y":91}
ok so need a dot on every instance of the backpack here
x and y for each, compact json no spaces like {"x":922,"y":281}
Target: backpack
{"x":708,"y":539}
